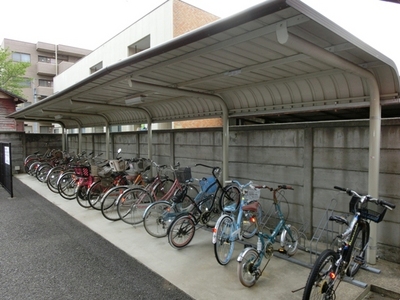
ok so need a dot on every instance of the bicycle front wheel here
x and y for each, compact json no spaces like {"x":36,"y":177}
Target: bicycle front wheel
{"x":52,"y":179}
{"x":359,"y":248}
{"x":249,"y":227}
{"x":66,"y":185}
{"x":109,"y":203}
{"x":181,"y":231}
{"x":96,"y":192}
{"x":246,"y":271}
{"x":81,"y":196}
{"x":230,"y":197}
{"x":290,"y":241}
{"x":158,"y":217}
{"x":224,"y":246}
{"x":319,"y":284}
{"x":132,"y":205}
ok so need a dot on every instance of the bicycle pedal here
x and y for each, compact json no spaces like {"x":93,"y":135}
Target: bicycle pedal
{"x":282,"y":250}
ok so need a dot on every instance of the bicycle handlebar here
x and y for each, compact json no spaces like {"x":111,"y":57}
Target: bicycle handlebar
{"x":367,"y":198}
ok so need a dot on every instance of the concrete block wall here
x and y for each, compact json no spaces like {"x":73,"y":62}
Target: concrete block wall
{"x":311,"y":157}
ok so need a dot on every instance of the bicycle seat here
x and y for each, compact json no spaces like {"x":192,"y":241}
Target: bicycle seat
{"x":339,"y":219}
{"x":253,"y":206}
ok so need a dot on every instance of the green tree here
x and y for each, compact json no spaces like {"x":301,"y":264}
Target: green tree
{"x":11,"y":73}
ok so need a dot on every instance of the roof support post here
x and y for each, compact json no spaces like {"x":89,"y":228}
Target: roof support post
{"x":108,"y":141}
{"x":302,"y":46}
{"x":80,"y":139}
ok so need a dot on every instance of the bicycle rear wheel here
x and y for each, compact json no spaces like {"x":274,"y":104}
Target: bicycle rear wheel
{"x":359,"y":248}
{"x":158,"y":217}
{"x":319,"y":284}
{"x":52,"y":179}
{"x":248,"y":226}
{"x":230,"y":197}
{"x":181,"y":231}
{"x":223,"y":246}
{"x":81,"y":196}
{"x":96,"y":192}
{"x":132,"y":205}
{"x":109,"y":203}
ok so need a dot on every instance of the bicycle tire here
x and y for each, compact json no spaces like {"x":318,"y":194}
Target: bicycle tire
{"x":248,"y":227}
{"x":109,"y":203}
{"x":158,"y":217}
{"x":181,"y":231}
{"x":132,"y":205}
{"x":223,"y":247}
{"x":96,"y":192}
{"x":319,"y":284}
{"x":230,"y":197}
{"x":42,"y":171}
{"x":291,"y":240}
{"x":66,"y":185}
{"x":246,"y":273}
{"x":28,"y":162}
{"x":81,"y":196}
{"x":33,"y":168}
{"x":358,"y":249}
{"x":161,"y":189}
{"x":52,"y":179}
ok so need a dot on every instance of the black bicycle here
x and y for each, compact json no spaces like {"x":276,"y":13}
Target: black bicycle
{"x":332,"y":266}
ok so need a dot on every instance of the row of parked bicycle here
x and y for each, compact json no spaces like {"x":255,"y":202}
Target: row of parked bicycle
{"x":174,"y":204}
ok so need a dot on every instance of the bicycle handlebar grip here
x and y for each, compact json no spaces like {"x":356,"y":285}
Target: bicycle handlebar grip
{"x":340,"y":188}
{"x":387,"y":204}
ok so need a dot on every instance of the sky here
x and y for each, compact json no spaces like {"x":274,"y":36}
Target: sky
{"x":89,"y":23}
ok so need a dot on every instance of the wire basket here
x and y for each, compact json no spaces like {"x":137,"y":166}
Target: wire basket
{"x":82,"y":171}
{"x":376,"y":214}
{"x":183,"y":174}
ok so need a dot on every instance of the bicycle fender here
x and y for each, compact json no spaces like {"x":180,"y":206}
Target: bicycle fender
{"x":215,"y":229}
{"x":243,"y":253}
{"x":148,"y":207}
{"x":283,"y":235}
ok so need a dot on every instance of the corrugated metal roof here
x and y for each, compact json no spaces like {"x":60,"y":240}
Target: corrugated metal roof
{"x":241,"y":61}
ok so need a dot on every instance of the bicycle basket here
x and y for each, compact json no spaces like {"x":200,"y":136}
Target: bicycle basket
{"x":376,"y":215}
{"x":252,"y":194}
{"x":82,"y":171}
{"x":117,"y":165}
{"x":183,"y":174}
{"x":208,"y":184}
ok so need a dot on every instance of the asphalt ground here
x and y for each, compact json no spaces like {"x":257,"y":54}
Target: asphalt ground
{"x":52,"y":248}
{"x":47,"y":254}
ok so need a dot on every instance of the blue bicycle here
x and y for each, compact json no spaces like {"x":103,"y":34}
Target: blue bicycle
{"x":235,"y":224}
{"x":250,"y":259}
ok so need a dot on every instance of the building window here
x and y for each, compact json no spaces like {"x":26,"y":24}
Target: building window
{"x":96,"y":67}
{"x":46,"y":82}
{"x":25,"y":83}
{"x":51,"y":59}
{"x":21,"y":57}
{"x":139,"y":46}
{"x":46,"y":59}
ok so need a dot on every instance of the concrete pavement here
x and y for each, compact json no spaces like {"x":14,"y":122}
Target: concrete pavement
{"x":194,"y":269}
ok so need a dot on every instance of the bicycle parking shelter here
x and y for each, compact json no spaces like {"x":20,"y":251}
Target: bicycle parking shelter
{"x":279,"y":61}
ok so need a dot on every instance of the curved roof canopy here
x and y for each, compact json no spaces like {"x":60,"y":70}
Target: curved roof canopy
{"x":279,"y":61}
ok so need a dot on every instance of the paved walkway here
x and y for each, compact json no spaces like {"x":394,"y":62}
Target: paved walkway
{"x":52,"y":245}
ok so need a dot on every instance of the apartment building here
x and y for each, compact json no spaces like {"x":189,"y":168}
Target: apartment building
{"x":47,"y":61}
{"x":171,"y":19}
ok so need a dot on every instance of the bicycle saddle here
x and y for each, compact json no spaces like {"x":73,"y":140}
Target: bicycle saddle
{"x":253,"y":206}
